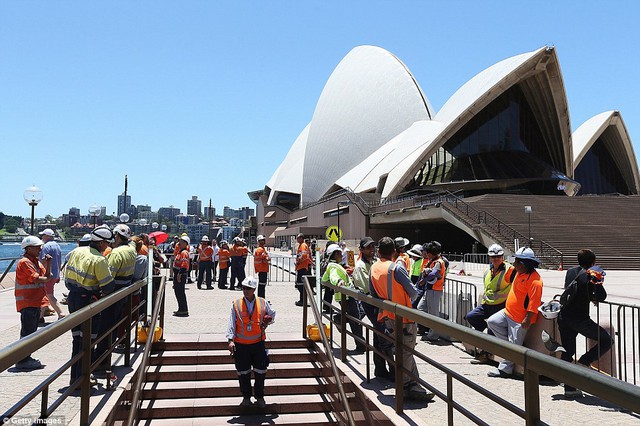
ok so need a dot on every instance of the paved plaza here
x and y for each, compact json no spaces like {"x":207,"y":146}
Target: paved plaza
{"x":209,"y":313}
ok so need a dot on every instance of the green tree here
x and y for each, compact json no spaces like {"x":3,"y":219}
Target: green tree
{"x":11,"y":225}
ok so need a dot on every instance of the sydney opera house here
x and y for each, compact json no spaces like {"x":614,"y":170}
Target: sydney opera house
{"x":376,"y":156}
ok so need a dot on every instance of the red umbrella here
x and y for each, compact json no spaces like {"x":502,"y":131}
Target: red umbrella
{"x":159,"y":236}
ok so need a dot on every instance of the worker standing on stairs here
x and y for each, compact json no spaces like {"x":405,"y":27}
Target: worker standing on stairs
{"x":250,"y":316}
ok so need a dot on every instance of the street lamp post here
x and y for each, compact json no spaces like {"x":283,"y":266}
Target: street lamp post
{"x":32,"y":195}
{"x":94,"y":210}
{"x":528,"y":211}
{"x":124,"y":218}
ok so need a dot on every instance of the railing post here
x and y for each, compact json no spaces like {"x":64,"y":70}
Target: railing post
{"x":343,"y":327}
{"x":531,"y":397}
{"x":399,"y":331}
{"x":127,"y":334}
{"x":85,"y":386}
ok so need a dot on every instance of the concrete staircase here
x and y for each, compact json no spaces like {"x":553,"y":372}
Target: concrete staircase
{"x":196,"y":383}
{"x":609,"y":225}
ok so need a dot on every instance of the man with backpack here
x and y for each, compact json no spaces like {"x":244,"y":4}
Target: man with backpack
{"x":583,"y":284}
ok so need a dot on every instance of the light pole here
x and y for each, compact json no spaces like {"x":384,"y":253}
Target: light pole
{"x":528,"y":211}
{"x":155,"y":225}
{"x":94,"y":210}
{"x":124,"y":218}
{"x":164,"y":228}
{"x":32,"y":195}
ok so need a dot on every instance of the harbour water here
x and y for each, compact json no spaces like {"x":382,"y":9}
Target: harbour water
{"x":13,"y":250}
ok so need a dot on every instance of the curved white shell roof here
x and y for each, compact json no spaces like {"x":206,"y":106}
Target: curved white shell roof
{"x":370,"y":98}
{"x":287,"y":177}
{"x":588,"y":133}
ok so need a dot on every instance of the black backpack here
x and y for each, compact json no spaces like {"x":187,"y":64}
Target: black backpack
{"x":571,"y":291}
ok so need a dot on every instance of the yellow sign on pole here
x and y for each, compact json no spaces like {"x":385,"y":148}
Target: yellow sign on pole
{"x":333,"y":233}
{"x":351,"y":261}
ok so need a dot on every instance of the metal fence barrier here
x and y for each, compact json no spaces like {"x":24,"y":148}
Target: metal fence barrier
{"x":535,"y":364}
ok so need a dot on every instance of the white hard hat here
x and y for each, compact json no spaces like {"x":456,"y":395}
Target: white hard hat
{"x":186,"y":239}
{"x":49,"y":232}
{"x":250,"y":282}
{"x":123,"y":230}
{"x":331,"y":249}
{"x":85,"y":238}
{"x":550,"y":310}
{"x":526,"y":253}
{"x":205,"y":238}
{"x":102,"y":233}
{"x":31,"y":241}
{"x":495,"y":250}
{"x":261,"y":237}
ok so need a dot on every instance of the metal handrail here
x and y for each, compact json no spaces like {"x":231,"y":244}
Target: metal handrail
{"x":142,"y":370}
{"x":327,"y":348}
{"x":535,"y":364}
{"x":19,"y":349}
{"x":6,"y":271}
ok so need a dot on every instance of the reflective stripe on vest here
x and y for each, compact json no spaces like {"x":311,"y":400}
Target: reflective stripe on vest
{"x":248,"y":328}
{"x":205,"y":255}
{"x":386,"y":287}
{"x":499,"y":287}
{"x":439,"y":284}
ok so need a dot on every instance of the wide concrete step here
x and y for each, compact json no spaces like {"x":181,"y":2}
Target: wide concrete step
{"x":159,"y":373}
{"x":229,"y":388}
{"x":316,"y":419}
{"x":204,"y":357}
{"x":229,"y":406}
{"x":221,"y":344}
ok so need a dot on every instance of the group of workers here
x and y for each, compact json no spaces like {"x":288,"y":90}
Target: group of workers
{"x":106,"y":260}
{"x":111,"y":259}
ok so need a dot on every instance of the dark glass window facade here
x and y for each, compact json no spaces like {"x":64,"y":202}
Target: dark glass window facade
{"x":599,"y":174}
{"x":501,"y":143}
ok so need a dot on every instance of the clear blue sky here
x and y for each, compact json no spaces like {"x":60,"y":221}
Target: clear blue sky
{"x":205,"y":98}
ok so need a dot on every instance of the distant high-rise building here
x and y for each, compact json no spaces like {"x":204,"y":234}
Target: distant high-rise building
{"x":242,"y":213}
{"x":169,"y":213}
{"x":143,"y":208}
{"x":148,"y":215}
{"x":122,"y":206}
{"x":73,"y":217}
{"x":103,"y":211}
{"x":194,"y":206}
{"x":206,"y":213}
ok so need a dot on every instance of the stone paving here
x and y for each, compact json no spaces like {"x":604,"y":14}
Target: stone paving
{"x":209,"y":313}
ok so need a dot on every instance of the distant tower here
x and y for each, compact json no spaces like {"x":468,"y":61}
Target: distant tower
{"x":194,"y":206}
{"x":124,"y":200}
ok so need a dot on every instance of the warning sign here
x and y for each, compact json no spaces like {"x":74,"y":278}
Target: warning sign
{"x":333,"y":233}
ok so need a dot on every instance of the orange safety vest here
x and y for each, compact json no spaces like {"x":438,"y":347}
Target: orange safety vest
{"x":181,"y":261}
{"x":29,"y":293}
{"x":439,"y":284}
{"x":235,"y":251}
{"x":205,"y":253}
{"x":223,"y":258}
{"x":303,"y":257}
{"x":261,"y":260}
{"x":386,"y":287}
{"x":406,"y":260}
{"x":248,"y":324}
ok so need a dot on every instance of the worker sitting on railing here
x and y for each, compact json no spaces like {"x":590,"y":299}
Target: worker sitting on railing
{"x":401,"y":291}
{"x":337,"y":275}
{"x":521,"y":307}
{"x":497,"y":284}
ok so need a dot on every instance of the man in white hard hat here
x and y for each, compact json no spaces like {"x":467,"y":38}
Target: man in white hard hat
{"x":250,"y":316}
{"x":521,"y":307}
{"x":88,"y":278}
{"x":261,"y":261}
{"x":31,"y":276}
{"x":497,"y":284}
{"x":180,"y":270}
{"x":52,"y":248}
{"x":205,"y":263}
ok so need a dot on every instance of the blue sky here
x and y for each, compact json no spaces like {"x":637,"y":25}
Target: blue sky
{"x":205,"y":98}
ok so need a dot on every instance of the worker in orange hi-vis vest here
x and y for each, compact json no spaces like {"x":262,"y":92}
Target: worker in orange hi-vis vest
{"x":261,"y":261}
{"x":303,"y":261}
{"x":250,"y":316}
{"x":205,"y":262}
{"x":31,"y":276}
{"x":223,"y":259}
